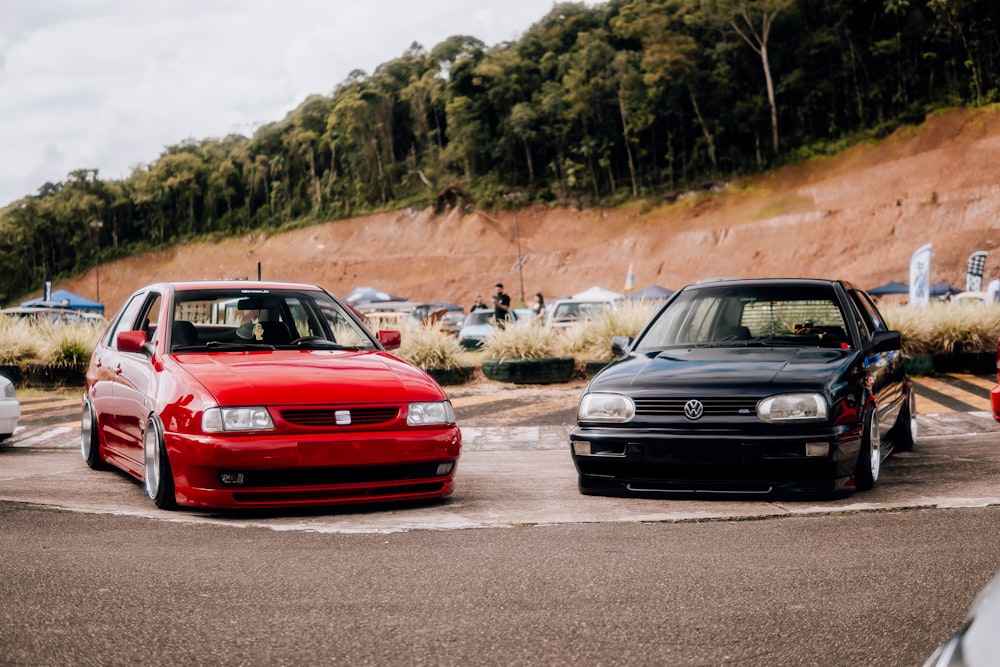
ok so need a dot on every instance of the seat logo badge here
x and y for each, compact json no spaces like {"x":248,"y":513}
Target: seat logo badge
{"x":693,"y":409}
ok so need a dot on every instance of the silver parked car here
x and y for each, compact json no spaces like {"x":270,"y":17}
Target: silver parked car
{"x":10,"y":408}
{"x":977,"y":643}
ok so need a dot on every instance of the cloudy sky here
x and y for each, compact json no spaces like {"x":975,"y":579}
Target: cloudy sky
{"x":107,"y":84}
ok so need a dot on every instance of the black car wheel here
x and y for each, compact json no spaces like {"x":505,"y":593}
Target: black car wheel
{"x":156,"y":468}
{"x":904,"y":431}
{"x":870,"y":457}
{"x":90,"y":443}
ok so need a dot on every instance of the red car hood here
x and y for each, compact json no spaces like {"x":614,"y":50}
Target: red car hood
{"x":296,"y":377}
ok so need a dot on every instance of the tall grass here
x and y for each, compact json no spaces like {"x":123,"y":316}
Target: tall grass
{"x":590,"y":340}
{"x":67,"y":344}
{"x":523,"y":341}
{"x":945,"y":328}
{"x":429,"y":346}
{"x":19,"y":343}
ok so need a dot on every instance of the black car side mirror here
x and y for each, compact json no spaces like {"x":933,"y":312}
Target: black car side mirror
{"x":620,"y":345}
{"x":885,"y":341}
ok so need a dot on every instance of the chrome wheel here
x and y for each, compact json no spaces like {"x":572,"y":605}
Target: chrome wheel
{"x":874,"y":447}
{"x":90,"y":444}
{"x":156,"y":467}
{"x":86,"y":431}
{"x":151,"y":459}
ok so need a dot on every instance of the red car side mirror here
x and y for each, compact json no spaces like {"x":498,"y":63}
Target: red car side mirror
{"x":391,"y":340}
{"x":130,"y":341}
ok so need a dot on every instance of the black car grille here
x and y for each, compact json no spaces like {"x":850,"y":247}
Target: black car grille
{"x":327,"y":416}
{"x":713,"y":407}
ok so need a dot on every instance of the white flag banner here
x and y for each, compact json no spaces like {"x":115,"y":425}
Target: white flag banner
{"x":974,"y":272}
{"x":920,"y":276}
{"x":629,"y":279}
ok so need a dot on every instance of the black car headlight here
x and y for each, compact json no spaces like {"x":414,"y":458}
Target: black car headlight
{"x":792,"y":408}
{"x":609,"y":408}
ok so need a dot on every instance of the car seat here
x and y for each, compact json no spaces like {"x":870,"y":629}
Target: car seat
{"x":275,"y":333}
{"x":182,"y":333}
{"x":734,"y":333}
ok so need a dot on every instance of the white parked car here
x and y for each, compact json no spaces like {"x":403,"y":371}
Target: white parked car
{"x":10,"y":409}
{"x":975,"y":298}
{"x":563,"y":313}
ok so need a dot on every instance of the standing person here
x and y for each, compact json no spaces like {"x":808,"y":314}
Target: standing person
{"x":501,"y":306}
{"x":479,"y":304}
{"x":538,"y":306}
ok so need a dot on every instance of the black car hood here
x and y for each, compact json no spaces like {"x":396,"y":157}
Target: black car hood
{"x":715,"y":370}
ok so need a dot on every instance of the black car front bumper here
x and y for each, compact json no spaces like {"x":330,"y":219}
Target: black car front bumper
{"x":652,"y":464}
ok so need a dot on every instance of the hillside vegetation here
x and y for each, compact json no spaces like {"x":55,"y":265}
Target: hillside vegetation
{"x":623,"y":106}
{"x":858,"y":216}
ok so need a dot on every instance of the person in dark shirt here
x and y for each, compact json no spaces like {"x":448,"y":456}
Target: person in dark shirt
{"x":479,"y":303}
{"x":501,"y":306}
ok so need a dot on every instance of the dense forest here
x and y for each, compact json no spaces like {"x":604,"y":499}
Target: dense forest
{"x":591,"y":105}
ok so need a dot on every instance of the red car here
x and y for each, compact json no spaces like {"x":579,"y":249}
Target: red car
{"x":236,"y":394}
{"x":995,"y":392}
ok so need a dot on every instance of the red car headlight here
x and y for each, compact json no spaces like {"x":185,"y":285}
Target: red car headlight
{"x":429,"y":414}
{"x":219,"y":420}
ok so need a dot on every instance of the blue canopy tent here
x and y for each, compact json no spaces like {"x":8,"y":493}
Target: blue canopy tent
{"x":890,"y":288}
{"x":651,"y":293}
{"x":941,"y":289}
{"x":67,"y":300}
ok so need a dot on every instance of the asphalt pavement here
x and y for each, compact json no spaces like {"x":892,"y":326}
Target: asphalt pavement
{"x":516,"y":469}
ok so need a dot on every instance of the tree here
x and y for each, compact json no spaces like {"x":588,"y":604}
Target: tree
{"x":752,"y":20}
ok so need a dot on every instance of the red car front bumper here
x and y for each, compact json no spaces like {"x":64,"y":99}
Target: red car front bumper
{"x":313,"y":469}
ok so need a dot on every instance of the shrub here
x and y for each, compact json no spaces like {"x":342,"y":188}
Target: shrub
{"x":944,"y":328}
{"x":523,"y":341}
{"x":429,"y":346}
{"x":591,"y":339}
{"x":67,"y":345}
{"x":18,"y":341}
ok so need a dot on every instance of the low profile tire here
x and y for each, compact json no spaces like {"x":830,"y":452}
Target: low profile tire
{"x":869,"y":464}
{"x":156,"y":467}
{"x":904,"y":431}
{"x":90,"y":443}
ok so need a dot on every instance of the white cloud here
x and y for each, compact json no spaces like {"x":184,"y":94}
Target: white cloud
{"x":107,"y":84}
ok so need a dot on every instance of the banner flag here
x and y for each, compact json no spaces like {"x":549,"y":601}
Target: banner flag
{"x":974,"y":273}
{"x":920,"y":276}
{"x":629,"y":279}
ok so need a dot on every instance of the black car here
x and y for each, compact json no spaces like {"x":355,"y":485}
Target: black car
{"x":767,"y":386}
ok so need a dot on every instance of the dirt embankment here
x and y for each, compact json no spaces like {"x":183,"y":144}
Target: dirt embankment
{"x":858,"y":216}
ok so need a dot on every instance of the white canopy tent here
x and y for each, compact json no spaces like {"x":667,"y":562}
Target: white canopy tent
{"x":598,"y":294}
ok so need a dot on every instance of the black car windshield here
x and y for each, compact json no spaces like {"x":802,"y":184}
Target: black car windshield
{"x":239,"y":319}
{"x":748,"y":314}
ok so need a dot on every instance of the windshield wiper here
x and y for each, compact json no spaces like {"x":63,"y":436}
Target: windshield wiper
{"x":323,"y":344}
{"x":232,"y":345}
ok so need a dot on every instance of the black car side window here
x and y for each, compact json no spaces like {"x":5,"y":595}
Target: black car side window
{"x":866,"y":324}
{"x":878,"y":323}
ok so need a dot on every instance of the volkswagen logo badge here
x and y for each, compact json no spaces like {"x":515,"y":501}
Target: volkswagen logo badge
{"x":693,"y":409}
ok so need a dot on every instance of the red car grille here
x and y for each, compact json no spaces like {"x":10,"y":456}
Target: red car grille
{"x":429,"y":488}
{"x":327,"y":416}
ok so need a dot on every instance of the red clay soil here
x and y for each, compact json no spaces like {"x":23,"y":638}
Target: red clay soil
{"x":858,"y":216}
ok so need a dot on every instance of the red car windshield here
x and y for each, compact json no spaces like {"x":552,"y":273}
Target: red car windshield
{"x":233,"y":318}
